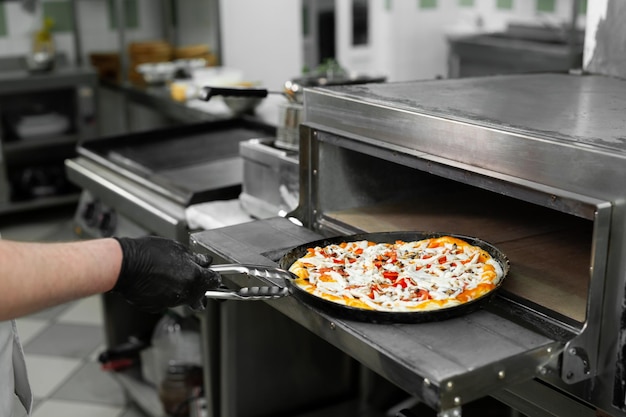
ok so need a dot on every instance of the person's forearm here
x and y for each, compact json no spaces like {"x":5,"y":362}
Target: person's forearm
{"x":34,"y":276}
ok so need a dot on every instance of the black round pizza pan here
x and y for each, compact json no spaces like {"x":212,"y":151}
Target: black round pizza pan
{"x":376,"y":316}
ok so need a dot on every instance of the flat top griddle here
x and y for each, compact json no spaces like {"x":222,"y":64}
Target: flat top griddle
{"x":177,"y":152}
{"x":189,"y":164}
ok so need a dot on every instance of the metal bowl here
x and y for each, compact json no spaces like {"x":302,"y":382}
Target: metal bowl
{"x":242,"y":105}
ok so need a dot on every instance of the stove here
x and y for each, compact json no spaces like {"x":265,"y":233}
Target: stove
{"x":142,"y":183}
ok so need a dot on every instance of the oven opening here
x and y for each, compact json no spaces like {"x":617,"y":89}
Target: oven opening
{"x":550,"y":251}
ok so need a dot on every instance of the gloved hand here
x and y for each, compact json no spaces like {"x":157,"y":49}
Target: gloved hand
{"x":158,"y":273}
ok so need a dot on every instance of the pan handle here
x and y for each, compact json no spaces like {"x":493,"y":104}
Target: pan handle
{"x":248,"y":293}
{"x":207,"y":92}
{"x":269,"y":292}
{"x":254,"y":270}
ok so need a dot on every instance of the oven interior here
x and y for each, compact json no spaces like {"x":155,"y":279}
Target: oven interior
{"x":548,"y":240}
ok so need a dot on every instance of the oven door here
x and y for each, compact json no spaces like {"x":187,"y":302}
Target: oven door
{"x":444,"y":364}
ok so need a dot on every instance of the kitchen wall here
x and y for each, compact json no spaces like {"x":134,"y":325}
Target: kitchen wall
{"x":409,"y":38}
{"x":264,"y":38}
{"x":97,"y":25}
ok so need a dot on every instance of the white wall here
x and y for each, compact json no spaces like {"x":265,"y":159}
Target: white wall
{"x":595,"y":14}
{"x":196,"y":23}
{"x":95,"y":30}
{"x":263,"y":39}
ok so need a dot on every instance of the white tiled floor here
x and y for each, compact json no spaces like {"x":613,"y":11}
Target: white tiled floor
{"x":63,"y":408}
{"x":62,"y":343}
{"x":47,"y":372}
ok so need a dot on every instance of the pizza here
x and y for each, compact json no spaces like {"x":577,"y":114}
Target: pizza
{"x":423,"y":275}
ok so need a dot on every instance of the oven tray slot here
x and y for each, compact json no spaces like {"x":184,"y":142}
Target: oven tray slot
{"x":444,"y":364}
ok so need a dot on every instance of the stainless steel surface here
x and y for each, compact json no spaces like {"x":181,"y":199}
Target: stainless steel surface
{"x":288,"y":131}
{"x":270,"y":178}
{"x":153,"y":211}
{"x":517,"y":50}
{"x":496,"y":124}
{"x":188,"y":164}
{"x":333,"y":74}
{"x":93,"y":218}
{"x":544,"y":401}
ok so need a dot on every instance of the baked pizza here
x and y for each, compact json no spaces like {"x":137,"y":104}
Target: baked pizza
{"x":424,"y":275}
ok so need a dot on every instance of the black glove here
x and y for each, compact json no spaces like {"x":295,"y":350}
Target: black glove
{"x":158,"y":273}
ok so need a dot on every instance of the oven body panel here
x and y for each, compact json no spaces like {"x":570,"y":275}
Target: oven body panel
{"x":496,"y":124}
{"x":552,"y":141}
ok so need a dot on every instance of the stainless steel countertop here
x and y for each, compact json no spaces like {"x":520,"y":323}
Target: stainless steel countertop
{"x":580,"y":110}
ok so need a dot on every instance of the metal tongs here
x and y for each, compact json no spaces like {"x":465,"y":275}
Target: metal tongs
{"x":251,"y":293}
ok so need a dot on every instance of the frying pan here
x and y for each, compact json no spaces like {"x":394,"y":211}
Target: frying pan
{"x":355,"y":313}
{"x":207,"y":92}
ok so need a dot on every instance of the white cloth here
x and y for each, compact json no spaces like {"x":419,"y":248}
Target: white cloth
{"x":216,"y":214}
{"x":13,"y":377}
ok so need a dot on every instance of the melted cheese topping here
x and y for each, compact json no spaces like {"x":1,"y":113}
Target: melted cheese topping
{"x":403,"y":276}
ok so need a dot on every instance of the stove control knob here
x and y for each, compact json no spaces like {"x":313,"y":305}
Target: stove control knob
{"x":108,"y":223}
{"x":91,"y":213}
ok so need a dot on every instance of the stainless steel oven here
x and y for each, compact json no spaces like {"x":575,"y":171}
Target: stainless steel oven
{"x":534,"y":164}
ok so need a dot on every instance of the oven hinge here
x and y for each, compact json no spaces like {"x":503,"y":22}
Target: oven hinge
{"x":576,"y":365}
